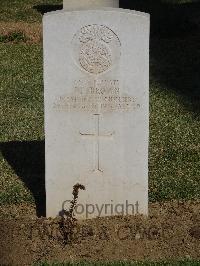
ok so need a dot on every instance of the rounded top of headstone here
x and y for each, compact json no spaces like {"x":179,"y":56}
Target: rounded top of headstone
{"x":72,"y":5}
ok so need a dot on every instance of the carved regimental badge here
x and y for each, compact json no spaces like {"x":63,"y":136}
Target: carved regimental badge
{"x":96,"y":48}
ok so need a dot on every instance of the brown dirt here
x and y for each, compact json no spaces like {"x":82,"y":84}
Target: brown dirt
{"x":32,"y":31}
{"x":172,"y":231}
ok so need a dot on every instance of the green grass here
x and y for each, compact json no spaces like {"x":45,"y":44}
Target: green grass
{"x":21,"y":91}
{"x":174,"y":161}
{"x":25,"y":10}
{"x":21,"y":112}
{"x":174,"y":154}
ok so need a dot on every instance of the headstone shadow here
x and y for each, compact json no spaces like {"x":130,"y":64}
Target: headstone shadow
{"x":174,"y":47}
{"x":27,"y":158}
{"x":47,"y":8}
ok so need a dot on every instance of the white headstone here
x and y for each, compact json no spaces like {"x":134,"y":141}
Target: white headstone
{"x":71,"y":5}
{"x":96,"y":77}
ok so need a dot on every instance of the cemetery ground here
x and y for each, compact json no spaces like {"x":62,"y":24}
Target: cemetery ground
{"x":172,"y":231}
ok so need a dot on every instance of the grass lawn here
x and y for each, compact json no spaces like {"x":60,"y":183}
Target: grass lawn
{"x":26,"y":10}
{"x":21,"y":112}
{"x":174,"y":154}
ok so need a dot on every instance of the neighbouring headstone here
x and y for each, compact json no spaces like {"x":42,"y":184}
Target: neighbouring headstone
{"x":71,"y":5}
{"x":96,"y":78}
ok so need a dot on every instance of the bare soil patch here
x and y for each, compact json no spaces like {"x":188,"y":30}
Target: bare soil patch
{"x":32,"y":31}
{"x":172,"y":231}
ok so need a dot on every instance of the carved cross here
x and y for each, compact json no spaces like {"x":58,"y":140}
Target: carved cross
{"x":96,"y":136}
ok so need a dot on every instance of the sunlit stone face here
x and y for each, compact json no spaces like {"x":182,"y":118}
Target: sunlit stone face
{"x":96,"y":72}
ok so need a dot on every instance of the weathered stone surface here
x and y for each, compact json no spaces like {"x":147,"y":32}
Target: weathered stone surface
{"x":71,"y":5}
{"x":96,"y":77}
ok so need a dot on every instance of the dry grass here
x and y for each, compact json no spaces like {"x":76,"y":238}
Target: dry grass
{"x":32,"y":31}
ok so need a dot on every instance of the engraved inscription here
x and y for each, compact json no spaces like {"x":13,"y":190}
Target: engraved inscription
{"x":96,"y":48}
{"x":97,"y":136}
{"x":96,"y":96}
